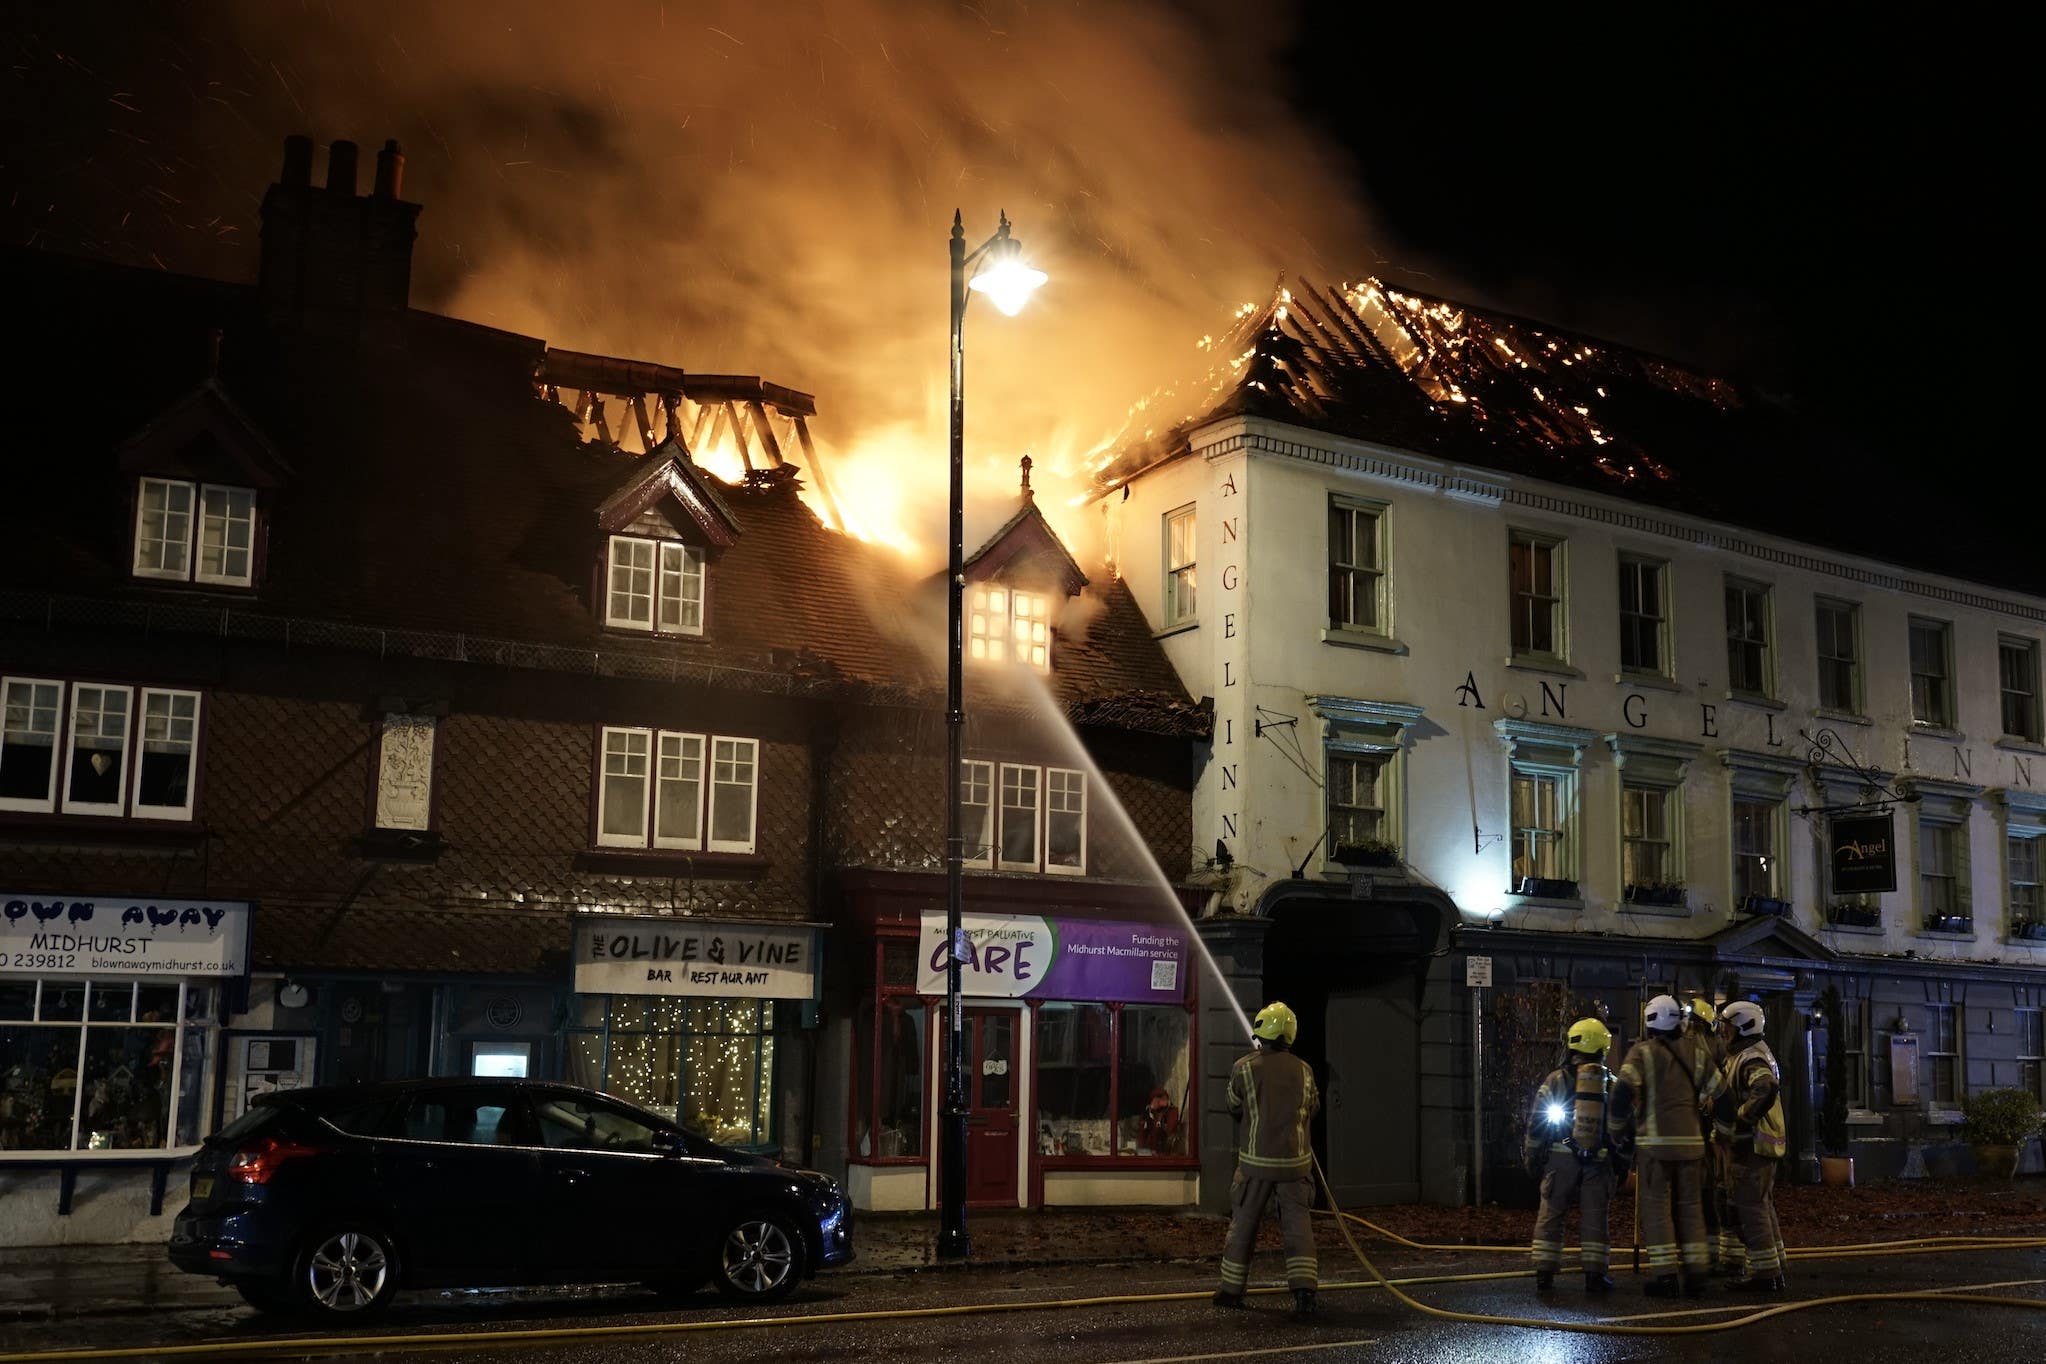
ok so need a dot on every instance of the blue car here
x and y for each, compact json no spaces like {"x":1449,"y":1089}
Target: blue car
{"x":327,"y":1201}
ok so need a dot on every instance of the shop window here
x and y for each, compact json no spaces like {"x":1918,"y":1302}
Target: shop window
{"x":1644,"y":616}
{"x":1839,"y":629}
{"x":112,"y":764}
{"x":652,"y":791}
{"x":2031,"y":1027}
{"x":109,"y":1065}
{"x":1179,"y":567}
{"x":707,"y":1064}
{"x":1750,"y":661}
{"x":165,"y":523}
{"x":1943,"y":1052}
{"x":1073,"y":1073}
{"x":1932,"y":667}
{"x":654,"y":585}
{"x":891,"y":1031}
{"x":1132,"y":1061}
{"x":1535,"y":583}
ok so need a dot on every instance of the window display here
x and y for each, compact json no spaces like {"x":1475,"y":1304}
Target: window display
{"x":1129,"y":1060}
{"x":707,"y":1063}
{"x":102,"y":1066}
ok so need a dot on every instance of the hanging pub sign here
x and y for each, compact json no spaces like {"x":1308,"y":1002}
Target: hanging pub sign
{"x":122,"y":935}
{"x":1016,"y":956}
{"x":1864,"y":852}
{"x":616,"y":955}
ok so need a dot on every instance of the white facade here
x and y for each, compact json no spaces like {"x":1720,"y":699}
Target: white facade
{"x":1437,"y":692}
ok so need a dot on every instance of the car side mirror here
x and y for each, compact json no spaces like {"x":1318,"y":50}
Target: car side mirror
{"x":670,"y":1143}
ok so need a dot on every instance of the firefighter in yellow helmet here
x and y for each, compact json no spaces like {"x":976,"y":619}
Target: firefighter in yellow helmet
{"x":1568,"y":1149}
{"x":1273,"y":1092}
{"x":1663,"y":1086}
{"x":1755,"y":1084}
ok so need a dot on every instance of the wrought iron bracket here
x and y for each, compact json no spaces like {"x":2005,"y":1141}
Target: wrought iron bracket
{"x":1880,"y":790}
{"x":1279,"y":720}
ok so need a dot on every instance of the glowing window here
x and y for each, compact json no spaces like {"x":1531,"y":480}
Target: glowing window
{"x":1009,"y":625}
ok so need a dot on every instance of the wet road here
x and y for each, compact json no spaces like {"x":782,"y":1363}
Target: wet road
{"x":1353,"y":1325}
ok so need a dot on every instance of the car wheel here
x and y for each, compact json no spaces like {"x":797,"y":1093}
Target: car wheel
{"x":263,"y":1296}
{"x":760,"y":1258}
{"x":346,"y":1271}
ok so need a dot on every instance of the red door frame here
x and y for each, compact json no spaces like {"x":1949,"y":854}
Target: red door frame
{"x":1007,"y":1193}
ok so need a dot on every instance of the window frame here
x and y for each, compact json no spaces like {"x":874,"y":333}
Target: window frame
{"x":604,"y":838}
{"x":1665,"y":660}
{"x":2029,"y":1026}
{"x":1943,"y":1023}
{"x":1079,"y":782}
{"x":1855,"y":671}
{"x":978,"y":632}
{"x":180,"y":813}
{"x":711,"y":784}
{"x":985,"y":858}
{"x":2035,"y":901}
{"x":1181,"y":573}
{"x":693,"y":843}
{"x":97,"y":809}
{"x":1564,"y":834}
{"x":1669,"y":804}
{"x":1378,"y":570}
{"x":1557,"y":548}
{"x":1854,"y":1046}
{"x":1952,"y":839}
{"x":1945,"y":636}
{"x":2030,"y":730}
{"x":1765,"y":643}
{"x":191,"y":1021}
{"x":54,"y":783}
{"x":1777,"y":827}
{"x":194,"y":533}
{"x":1002,"y":806}
{"x":658,"y":573}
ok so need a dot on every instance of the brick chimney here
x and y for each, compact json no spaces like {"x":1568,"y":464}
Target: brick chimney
{"x":332,"y":259}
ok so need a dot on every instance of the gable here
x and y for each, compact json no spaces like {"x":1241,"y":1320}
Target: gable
{"x":672,"y":488}
{"x":1026,"y":545}
{"x":206,"y":436}
{"x":1768,"y":936}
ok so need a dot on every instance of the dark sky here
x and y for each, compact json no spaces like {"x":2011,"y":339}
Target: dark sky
{"x":1840,"y":217}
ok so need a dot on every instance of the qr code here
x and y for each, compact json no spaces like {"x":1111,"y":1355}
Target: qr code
{"x":1165,"y":975}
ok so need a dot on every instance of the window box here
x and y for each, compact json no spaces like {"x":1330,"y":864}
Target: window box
{"x":1546,"y":888}
{"x":2035,"y":932}
{"x":1370,"y":853}
{"x":1950,"y":923}
{"x":1671,"y":894}
{"x":1763,"y":904}
{"x":1855,"y":916}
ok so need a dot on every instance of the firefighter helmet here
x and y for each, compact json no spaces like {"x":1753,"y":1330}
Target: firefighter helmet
{"x":1745,"y":1019}
{"x":1664,"y":1014}
{"x":1276,"y":1023}
{"x":1590,"y":1036}
{"x":1702,"y":1010}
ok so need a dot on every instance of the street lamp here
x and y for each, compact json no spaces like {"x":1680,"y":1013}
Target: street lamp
{"x":999,"y":272}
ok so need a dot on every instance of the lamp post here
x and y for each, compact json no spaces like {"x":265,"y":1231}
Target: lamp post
{"x":999,"y":272}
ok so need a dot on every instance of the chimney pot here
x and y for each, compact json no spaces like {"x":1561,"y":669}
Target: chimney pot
{"x":341,"y":168}
{"x":390,"y":170}
{"x":298,"y":160}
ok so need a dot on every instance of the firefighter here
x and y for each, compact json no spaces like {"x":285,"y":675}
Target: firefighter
{"x":1658,"y":1095}
{"x":1570,"y":1151}
{"x":1722,"y":1235}
{"x":1273,"y":1091}
{"x":1755,"y":1083}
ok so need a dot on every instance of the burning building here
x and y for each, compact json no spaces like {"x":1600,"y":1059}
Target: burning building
{"x":1537,"y":692}
{"x":391,"y":695}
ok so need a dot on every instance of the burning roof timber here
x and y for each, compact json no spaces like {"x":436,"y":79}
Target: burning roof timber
{"x":1441,"y":378}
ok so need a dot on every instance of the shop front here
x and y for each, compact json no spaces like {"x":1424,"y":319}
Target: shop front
{"x":1078,"y":1035}
{"x":110,"y":1012}
{"x":683,"y":1016}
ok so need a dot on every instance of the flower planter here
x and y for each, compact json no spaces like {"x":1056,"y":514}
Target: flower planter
{"x":1547,"y":888}
{"x":2029,"y":931}
{"x":1655,"y":895}
{"x":1837,"y":1171}
{"x":1949,"y":923}
{"x":1855,"y":916}
{"x":1365,"y":855}
{"x":1762,"y":904}
{"x":2000,"y":1161}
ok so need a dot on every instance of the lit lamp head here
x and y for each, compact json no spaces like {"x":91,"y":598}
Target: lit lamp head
{"x":1003,"y":277}
{"x":1556,"y":1114}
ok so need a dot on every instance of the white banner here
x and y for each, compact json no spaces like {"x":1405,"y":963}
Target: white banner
{"x":621,"y":956}
{"x":121,"y":935}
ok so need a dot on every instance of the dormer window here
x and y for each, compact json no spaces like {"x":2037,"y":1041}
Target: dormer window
{"x":1005,"y":624}
{"x":195,"y":532}
{"x":654,"y":585}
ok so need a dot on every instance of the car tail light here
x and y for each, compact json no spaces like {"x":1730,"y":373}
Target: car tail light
{"x":256,"y":1162}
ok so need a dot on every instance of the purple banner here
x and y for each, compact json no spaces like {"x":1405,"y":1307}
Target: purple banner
{"x":1025,"y":956}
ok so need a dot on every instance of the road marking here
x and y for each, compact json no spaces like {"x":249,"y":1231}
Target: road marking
{"x":1249,"y":1354}
{"x":1755,"y":1303}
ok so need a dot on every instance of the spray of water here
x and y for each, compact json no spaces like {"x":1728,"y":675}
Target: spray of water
{"x":1102,"y":798}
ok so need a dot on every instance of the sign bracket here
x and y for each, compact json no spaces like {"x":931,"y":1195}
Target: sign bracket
{"x":1880,"y":792}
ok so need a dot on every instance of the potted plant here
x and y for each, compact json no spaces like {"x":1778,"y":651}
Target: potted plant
{"x":2028,"y":929}
{"x":1655,"y":893}
{"x":1949,"y":923}
{"x":1371,"y":852}
{"x":1857,"y":916}
{"x":1547,"y":887}
{"x":1996,"y":1122}
{"x":1835,"y":1165}
{"x":1764,"y":904}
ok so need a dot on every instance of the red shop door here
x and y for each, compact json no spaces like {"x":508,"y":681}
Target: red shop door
{"x":992,"y":1079}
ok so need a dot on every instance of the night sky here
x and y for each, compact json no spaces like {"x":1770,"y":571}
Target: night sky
{"x":1832,"y":217}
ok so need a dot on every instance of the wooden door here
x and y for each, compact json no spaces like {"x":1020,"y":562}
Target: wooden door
{"x":994,"y":1081}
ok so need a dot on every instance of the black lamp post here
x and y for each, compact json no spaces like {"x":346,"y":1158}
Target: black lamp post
{"x":998,"y":272}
